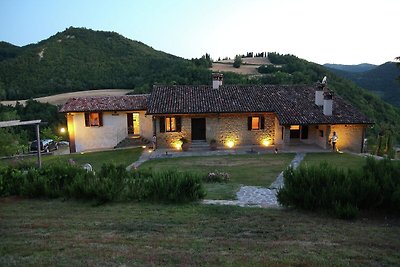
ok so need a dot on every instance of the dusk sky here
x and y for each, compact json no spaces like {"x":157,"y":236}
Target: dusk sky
{"x":339,"y":31}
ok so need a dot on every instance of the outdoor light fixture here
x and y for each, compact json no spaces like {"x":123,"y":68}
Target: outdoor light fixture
{"x":62,"y":130}
{"x":230,"y":144}
{"x":265,"y":142}
{"x":143,"y":146}
{"x":177,"y":144}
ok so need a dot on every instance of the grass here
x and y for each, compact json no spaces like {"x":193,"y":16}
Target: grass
{"x":344,"y":161}
{"x":257,"y":170}
{"x":68,"y":233}
{"x":96,"y":159}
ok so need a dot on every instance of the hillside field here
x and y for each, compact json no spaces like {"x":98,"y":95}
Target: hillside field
{"x":61,"y":99}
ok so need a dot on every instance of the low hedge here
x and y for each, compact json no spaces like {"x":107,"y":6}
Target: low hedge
{"x":111,"y":183}
{"x":343,"y":193}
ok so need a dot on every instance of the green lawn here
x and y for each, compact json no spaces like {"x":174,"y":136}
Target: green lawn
{"x":96,"y":159}
{"x":345,"y":160}
{"x":259,"y":170}
{"x":68,"y":233}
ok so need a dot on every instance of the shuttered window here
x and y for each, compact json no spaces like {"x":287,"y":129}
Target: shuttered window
{"x":255,"y":123}
{"x":170,"y":124}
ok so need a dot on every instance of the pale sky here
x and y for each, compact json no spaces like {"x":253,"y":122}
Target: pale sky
{"x":338,"y":31}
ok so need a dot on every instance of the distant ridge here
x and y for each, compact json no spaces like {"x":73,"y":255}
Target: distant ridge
{"x":351,"y":68}
{"x":382,"y":80}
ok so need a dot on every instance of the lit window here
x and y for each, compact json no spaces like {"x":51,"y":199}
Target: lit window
{"x":93,"y":119}
{"x":255,"y":123}
{"x":294,"y":127}
{"x":170,"y":124}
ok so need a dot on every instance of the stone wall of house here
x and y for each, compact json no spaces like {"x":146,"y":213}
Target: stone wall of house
{"x":279,"y":133}
{"x":113,"y":131}
{"x":171,"y":139}
{"x":222,"y":128}
{"x":146,"y":125}
{"x":351,"y":136}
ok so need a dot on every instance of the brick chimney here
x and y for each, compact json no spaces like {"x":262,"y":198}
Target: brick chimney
{"x":328,"y":103}
{"x":319,"y":95}
{"x":217,"y":80}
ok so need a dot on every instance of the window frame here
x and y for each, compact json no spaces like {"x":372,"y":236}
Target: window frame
{"x":164,"y":128}
{"x":261,"y":123}
{"x":170,"y":124}
{"x":88,"y":120}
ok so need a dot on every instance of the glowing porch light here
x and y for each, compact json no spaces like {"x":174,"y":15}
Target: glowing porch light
{"x":62,"y":130}
{"x":266,"y":142}
{"x":177,"y":144}
{"x":230,"y":144}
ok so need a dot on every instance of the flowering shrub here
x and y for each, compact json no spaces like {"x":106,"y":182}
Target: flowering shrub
{"x":216,"y":177}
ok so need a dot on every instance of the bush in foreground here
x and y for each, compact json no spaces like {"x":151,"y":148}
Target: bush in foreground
{"x":111,"y":183}
{"x":325,"y":188}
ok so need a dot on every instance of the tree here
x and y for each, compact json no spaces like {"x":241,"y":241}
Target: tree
{"x":237,"y":62}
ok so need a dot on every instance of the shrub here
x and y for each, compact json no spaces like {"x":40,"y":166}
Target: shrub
{"x":111,"y":183}
{"x":216,"y":177}
{"x":11,"y":181}
{"x":173,"y":186}
{"x":376,"y":186}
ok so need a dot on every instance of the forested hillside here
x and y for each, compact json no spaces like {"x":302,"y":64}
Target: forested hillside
{"x":82,"y":59}
{"x":381,"y":80}
{"x":351,"y":68}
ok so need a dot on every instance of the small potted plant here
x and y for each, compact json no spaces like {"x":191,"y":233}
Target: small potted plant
{"x":185,"y":144}
{"x":213,"y":144}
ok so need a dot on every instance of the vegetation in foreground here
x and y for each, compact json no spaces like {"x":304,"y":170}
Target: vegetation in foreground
{"x":343,"y":193}
{"x":56,"y":233}
{"x":111,"y":183}
{"x":258,"y":170}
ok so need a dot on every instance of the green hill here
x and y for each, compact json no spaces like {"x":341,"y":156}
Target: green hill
{"x":82,"y":59}
{"x":351,"y":68}
{"x":381,"y":80}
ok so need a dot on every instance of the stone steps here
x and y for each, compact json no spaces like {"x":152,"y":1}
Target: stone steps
{"x":199,"y":145}
{"x":133,"y":141}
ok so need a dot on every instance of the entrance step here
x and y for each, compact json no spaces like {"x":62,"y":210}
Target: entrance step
{"x":199,"y":145}
{"x":133,"y":141}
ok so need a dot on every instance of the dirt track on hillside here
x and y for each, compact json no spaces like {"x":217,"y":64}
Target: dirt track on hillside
{"x":249,"y":65}
{"x":61,"y":99}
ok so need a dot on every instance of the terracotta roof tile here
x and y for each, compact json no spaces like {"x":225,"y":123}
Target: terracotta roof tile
{"x":292,"y":104}
{"x":106,"y":103}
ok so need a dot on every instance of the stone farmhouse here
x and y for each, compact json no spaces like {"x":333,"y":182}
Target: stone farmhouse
{"x":230,"y":115}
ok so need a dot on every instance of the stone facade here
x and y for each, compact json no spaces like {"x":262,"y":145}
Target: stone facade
{"x":351,"y":136}
{"x":223,"y":128}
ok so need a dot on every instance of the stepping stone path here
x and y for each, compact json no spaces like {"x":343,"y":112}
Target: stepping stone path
{"x":254,"y":196}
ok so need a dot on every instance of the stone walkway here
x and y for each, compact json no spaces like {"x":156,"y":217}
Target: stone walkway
{"x":146,"y":155}
{"x":253,"y":196}
{"x":247,"y":196}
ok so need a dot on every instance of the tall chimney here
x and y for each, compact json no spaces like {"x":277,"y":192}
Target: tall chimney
{"x":217,"y":80}
{"x":328,"y":103}
{"x":319,"y":95}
